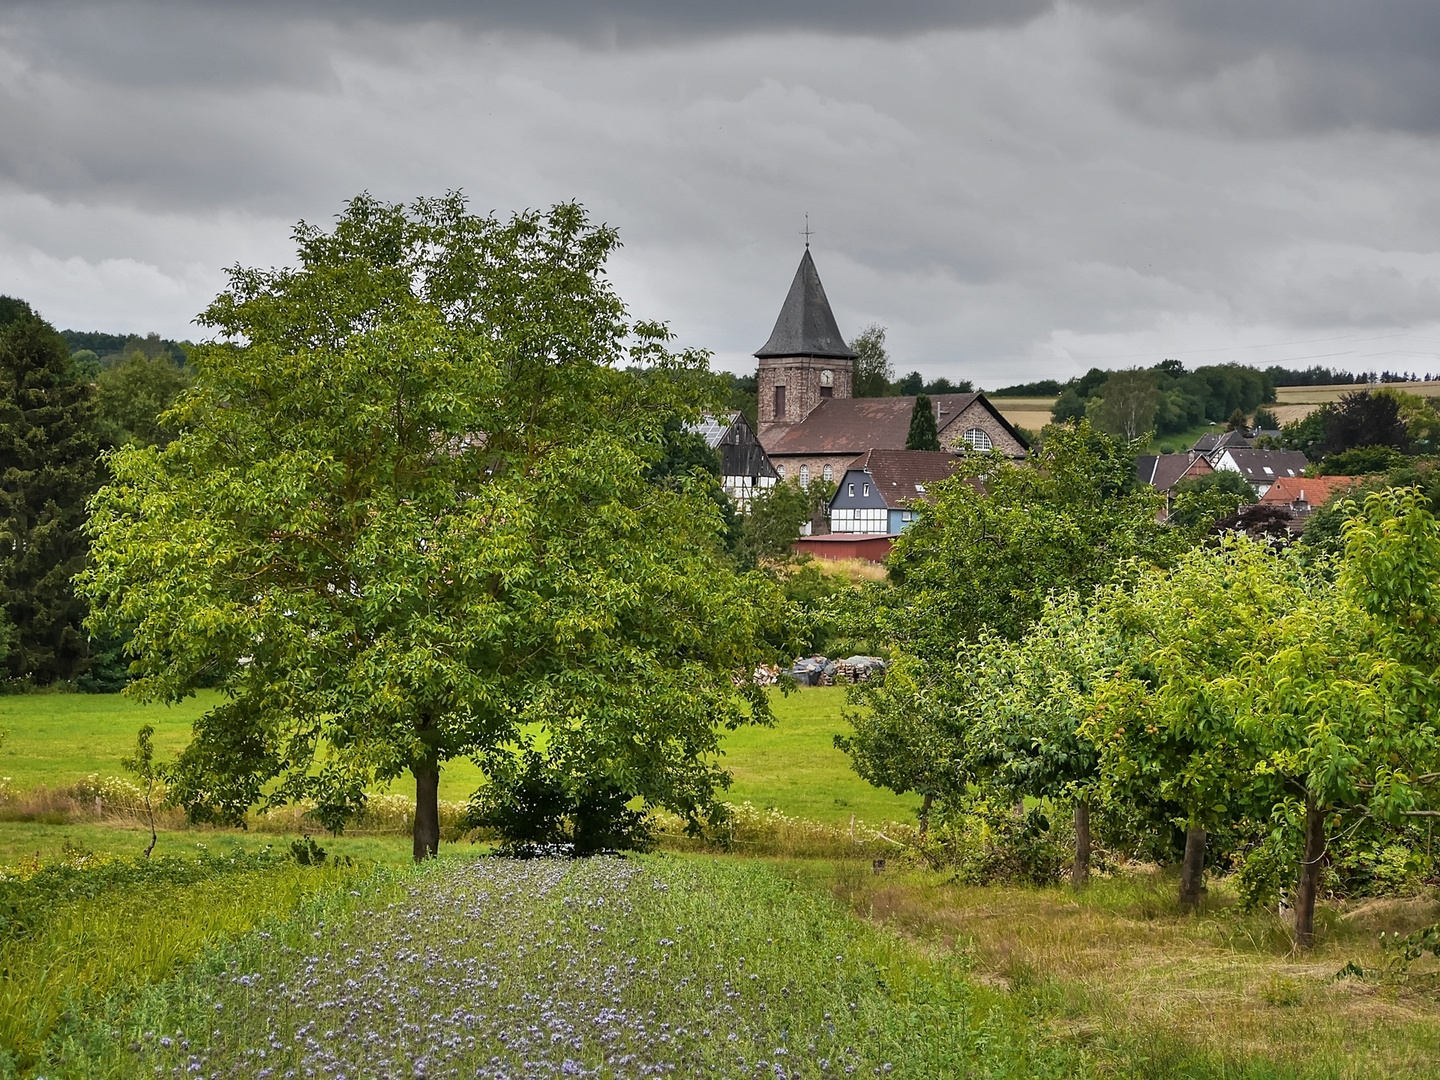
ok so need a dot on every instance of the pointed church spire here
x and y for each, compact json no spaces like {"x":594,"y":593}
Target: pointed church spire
{"x":806,"y":326}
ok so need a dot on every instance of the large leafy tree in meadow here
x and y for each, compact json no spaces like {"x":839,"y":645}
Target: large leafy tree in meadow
{"x":407,"y":518}
{"x":49,"y":467}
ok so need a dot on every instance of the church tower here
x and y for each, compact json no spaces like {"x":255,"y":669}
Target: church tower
{"x":806,"y":360}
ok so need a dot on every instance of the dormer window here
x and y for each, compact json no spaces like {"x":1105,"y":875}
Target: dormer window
{"x":977,"y":439}
{"x":866,"y":492}
{"x":851,"y":492}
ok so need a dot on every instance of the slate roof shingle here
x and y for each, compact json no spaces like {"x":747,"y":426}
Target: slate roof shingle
{"x":806,"y":326}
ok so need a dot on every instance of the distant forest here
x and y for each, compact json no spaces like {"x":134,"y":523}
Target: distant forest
{"x":1278,"y":376}
{"x":108,"y":349}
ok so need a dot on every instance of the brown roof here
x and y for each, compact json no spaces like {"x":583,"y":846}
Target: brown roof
{"x":903,"y":476}
{"x":854,"y":425}
{"x":1314,"y":490}
{"x":1163,"y":471}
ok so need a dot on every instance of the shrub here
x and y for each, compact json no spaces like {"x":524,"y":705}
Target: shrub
{"x":539,"y":811}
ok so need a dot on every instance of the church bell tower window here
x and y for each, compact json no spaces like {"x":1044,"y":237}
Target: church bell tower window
{"x":780,"y":402}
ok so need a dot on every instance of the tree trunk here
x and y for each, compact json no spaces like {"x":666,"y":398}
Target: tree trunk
{"x":1309,"y":883}
{"x":925,"y":815}
{"x":1192,"y":870}
{"x":1080,"y":875}
{"x":427,"y":810}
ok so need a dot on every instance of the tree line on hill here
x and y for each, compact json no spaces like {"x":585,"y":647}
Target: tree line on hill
{"x":65,"y":404}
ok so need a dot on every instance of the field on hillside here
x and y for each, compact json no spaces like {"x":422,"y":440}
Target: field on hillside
{"x":1297,"y":402}
{"x":1293,"y":403}
{"x":1032,"y":413}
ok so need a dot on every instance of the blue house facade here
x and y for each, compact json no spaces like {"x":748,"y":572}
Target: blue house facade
{"x":883,"y":491}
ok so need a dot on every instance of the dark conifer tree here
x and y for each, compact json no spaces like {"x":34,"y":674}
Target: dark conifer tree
{"x":923,"y":435}
{"x":49,"y":468}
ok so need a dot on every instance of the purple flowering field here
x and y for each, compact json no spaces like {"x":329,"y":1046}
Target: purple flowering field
{"x":607,"y":967}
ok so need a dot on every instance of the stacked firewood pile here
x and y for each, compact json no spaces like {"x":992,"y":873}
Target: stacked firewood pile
{"x":823,"y":671}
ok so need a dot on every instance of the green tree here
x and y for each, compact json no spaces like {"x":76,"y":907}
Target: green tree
{"x":407,"y":519}
{"x":776,"y":516}
{"x":923,"y":434}
{"x":1068,"y":406}
{"x":1200,"y":502}
{"x":1266,"y":420}
{"x":1237,"y":422}
{"x":1029,"y":700}
{"x":142,"y":765}
{"x":873,"y":371}
{"x":990,"y":556}
{"x":1126,"y":405}
{"x":906,"y":738}
{"x":134,"y":392}
{"x":49,"y":467}
{"x":1165,"y":725}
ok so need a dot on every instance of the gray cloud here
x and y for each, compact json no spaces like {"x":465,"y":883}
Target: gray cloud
{"x":1015,"y":191}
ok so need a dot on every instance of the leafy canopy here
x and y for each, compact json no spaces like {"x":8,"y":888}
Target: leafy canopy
{"x":408,"y":517}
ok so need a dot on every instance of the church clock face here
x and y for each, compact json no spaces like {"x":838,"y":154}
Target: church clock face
{"x":827,"y":383}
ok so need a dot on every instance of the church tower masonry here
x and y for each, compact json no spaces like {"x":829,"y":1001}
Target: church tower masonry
{"x":806,"y":360}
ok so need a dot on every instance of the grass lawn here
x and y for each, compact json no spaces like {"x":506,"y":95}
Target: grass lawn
{"x":56,"y":739}
{"x":1179,"y":441}
{"x":795,"y":767}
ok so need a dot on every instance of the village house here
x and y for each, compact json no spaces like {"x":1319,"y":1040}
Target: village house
{"x":1261,"y":467}
{"x":810,"y":424}
{"x":883,"y":490}
{"x":745,"y":468}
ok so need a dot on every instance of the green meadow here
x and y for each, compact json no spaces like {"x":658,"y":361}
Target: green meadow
{"x":56,"y":739}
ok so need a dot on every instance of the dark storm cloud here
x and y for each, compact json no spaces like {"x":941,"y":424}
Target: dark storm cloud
{"x":1015,"y":189}
{"x":1256,"y":68}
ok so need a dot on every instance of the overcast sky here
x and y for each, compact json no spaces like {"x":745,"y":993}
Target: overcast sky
{"x":1016,"y":189}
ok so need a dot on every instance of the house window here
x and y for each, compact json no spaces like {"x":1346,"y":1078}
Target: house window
{"x":851,"y":492}
{"x":905,"y":515}
{"x":829,"y":473}
{"x":780,"y":471}
{"x":866,"y":492}
{"x":804,"y":475}
{"x":978,"y":440}
{"x":827,"y":383}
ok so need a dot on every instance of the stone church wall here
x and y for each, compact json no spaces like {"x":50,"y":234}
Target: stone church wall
{"x":977,"y":416}
{"x":801,"y":377}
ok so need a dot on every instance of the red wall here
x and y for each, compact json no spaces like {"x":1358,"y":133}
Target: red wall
{"x":841,"y":546}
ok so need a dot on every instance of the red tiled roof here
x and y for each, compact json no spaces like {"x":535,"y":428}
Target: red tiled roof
{"x":1313,"y":490}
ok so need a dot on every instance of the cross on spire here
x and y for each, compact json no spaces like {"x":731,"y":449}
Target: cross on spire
{"x":805,"y":232}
